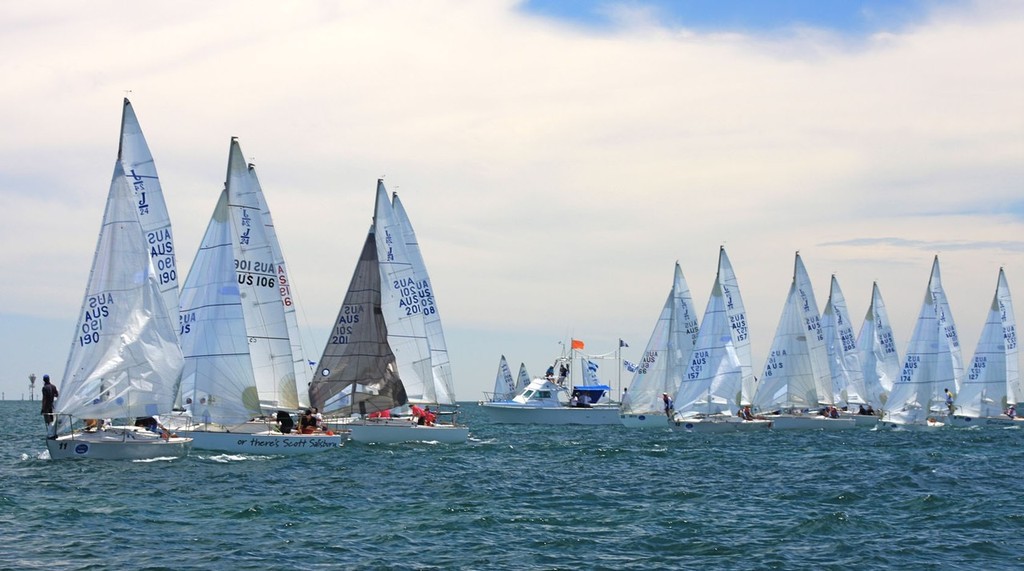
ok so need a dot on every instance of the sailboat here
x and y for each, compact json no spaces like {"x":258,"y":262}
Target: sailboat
{"x":880,"y":362}
{"x":504,"y":384}
{"x":238,"y":361}
{"x":843,"y":358}
{"x":379,"y":355}
{"x":933,"y":364}
{"x":991,"y":381}
{"x":709,"y":393}
{"x":665,"y":357}
{"x":551,"y":400}
{"x":796,"y":382}
{"x":125,"y":360}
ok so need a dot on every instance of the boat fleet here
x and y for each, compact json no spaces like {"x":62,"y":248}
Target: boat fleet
{"x":155,"y":369}
{"x":819,"y":374}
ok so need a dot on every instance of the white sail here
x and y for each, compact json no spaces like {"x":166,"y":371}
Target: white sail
{"x":217,"y":382}
{"x":148,"y":199}
{"x":125,"y":360}
{"x":401,"y":301}
{"x":713,"y":379}
{"x":991,"y":380}
{"x":288,"y":296}
{"x":668,"y":350}
{"x":841,"y":345}
{"x":504,"y":384}
{"x":933,"y":362}
{"x":880,"y":362}
{"x":796,"y":375}
{"x":265,"y":322}
{"x":444,"y":383}
{"x":524,"y":378}
{"x":737,"y":313}
{"x":234,"y":331}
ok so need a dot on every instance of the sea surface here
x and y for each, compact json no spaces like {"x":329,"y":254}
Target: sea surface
{"x":527,"y":497}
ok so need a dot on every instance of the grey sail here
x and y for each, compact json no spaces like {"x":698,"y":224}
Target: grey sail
{"x":357,"y":371}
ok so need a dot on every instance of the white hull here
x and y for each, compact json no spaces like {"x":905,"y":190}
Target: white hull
{"x":117,"y":445}
{"x":649,"y":420}
{"x":961,"y":421}
{"x":262,"y":442}
{"x":709,"y":425}
{"x":810,"y":422}
{"x":505,"y":413}
{"x":390,"y":431}
{"x":863,"y":420}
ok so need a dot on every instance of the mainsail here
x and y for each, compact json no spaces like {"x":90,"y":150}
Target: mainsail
{"x":841,"y":345}
{"x":288,"y":296}
{"x":139,"y":171}
{"x":402,"y":300}
{"x":933,"y":362}
{"x":444,"y":384}
{"x":234,"y":334}
{"x":125,"y":360}
{"x":991,"y":382}
{"x":713,"y":378}
{"x":668,"y":350}
{"x":880,"y":362}
{"x":796,"y":375}
{"x":737,"y":313}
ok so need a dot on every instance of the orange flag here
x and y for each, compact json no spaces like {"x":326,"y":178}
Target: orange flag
{"x":577,"y":344}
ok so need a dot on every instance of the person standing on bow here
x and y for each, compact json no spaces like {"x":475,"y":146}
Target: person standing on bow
{"x":50,"y":394}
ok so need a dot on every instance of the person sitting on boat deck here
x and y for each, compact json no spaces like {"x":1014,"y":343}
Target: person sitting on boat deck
{"x":284,"y":422}
{"x":550,"y":373}
{"x":319,"y":418}
{"x":428,"y":417}
{"x":833,"y":412}
{"x":93,"y":424}
{"x":949,"y":400}
{"x":307,"y":423}
{"x":148,"y":422}
{"x":1012,"y":411}
{"x":419,"y":416}
{"x":574,"y":401}
{"x":745,"y":413}
{"x":669,"y":407}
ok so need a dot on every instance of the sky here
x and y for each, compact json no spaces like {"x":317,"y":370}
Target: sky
{"x":556,"y":157}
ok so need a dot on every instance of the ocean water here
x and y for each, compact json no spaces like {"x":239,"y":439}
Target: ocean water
{"x":527,"y":497}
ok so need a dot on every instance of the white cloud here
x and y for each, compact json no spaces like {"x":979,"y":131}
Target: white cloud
{"x":554,"y":174}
